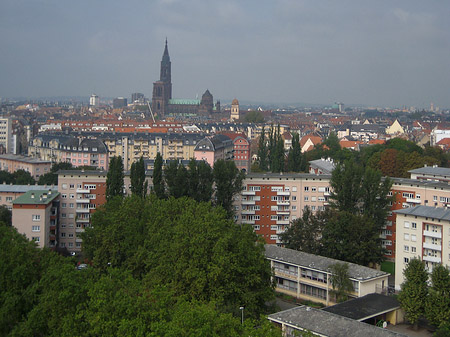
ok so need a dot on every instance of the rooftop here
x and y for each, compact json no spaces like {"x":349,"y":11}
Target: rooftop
{"x":365,"y":307}
{"x":323,"y":164}
{"x":432,"y":170}
{"x":83,"y":172}
{"x":328,"y":324}
{"x":320,"y":263}
{"x":24,"y":188}
{"x":426,"y":212}
{"x":24,"y":159}
{"x":36,"y":197}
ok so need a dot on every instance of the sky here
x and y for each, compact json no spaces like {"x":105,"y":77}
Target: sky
{"x":375,"y":53}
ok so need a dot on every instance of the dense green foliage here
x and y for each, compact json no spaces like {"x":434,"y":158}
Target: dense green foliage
{"x":139,"y":185}
{"x":51,"y":178}
{"x":340,"y":281}
{"x":437,"y":306}
{"x":114,"y":178}
{"x":158,"y":182}
{"x":187,"y":273}
{"x":294,"y":161}
{"x":228,"y":182}
{"x":19,"y":177}
{"x":5,"y":216}
{"x":350,"y":227}
{"x":262,"y":151}
{"x":413,"y":294}
{"x":254,"y":117}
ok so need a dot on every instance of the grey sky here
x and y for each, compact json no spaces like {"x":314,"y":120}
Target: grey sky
{"x":386,"y":53}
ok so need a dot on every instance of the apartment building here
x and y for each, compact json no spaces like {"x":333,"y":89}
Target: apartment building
{"x":211,"y":149}
{"x":307,"y":276}
{"x":431,"y":173}
{"x":35,"y":214}
{"x":13,"y":162}
{"x":5,"y":134}
{"x":241,"y":150}
{"x":9,"y":193}
{"x":82,"y":192}
{"x":270,"y":201}
{"x":423,"y":232}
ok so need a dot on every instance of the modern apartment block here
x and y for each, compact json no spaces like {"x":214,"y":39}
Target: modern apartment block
{"x":423,"y":232}
{"x":5,"y":135}
{"x":307,"y":276}
{"x":82,"y":192}
{"x":35,"y":214}
{"x":13,"y":162}
{"x":270,"y":201}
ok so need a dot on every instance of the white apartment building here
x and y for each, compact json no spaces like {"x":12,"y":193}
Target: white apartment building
{"x":422,"y":232}
{"x":6,"y":134}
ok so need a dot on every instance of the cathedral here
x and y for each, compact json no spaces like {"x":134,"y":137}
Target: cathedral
{"x":164,"y":105}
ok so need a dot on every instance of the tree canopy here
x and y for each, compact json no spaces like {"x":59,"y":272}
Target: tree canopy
{"x":114,"y":178}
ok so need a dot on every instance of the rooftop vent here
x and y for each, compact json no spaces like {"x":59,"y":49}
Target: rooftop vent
{"x":32,"y":195}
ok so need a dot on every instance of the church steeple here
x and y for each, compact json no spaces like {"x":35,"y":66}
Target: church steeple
{"x":165,"y":74}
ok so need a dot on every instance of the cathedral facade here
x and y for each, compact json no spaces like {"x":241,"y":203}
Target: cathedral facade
{"x":164,"y":105}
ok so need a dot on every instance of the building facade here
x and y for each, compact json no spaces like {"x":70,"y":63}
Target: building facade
{"x":35,"y":214}
{"x":12,"y":162}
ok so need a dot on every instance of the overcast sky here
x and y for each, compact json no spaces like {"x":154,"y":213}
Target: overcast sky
{"x":372,"y":52}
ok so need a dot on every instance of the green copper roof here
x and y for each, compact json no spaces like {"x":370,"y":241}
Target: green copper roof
{"x":36,"y":197}
{"x":184,"y":101}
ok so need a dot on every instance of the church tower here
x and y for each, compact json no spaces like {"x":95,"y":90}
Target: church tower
{"x":234,"y":110}
{"x":162,"y":89}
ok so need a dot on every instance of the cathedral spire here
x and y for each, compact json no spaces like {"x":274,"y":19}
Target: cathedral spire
{"x":166,"y":57}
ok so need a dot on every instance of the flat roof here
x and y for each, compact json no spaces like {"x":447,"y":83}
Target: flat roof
{"x":37,"y":197}
{"x":82,"y":172}
{"x":320,"y":263}
{"x":426,"y":212}
{"x":328,"y":324}
{"x":24,"y":159}
{"x":365,"y":307}
{"x":24,"y":188}
{"x":323,"y":164}
{"x":440,"y":171}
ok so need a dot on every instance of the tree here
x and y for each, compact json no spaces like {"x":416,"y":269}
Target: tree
{"x":437,"y":307}
{"x":340,"y":281}
{"x":114,"y":178}
{"x":176,"y":178}
{"x":158,"y":181}
{"x":295,"y":155}
{"x":5,"y":216}
{"x":191,"y":247}
{"x":228,"y":182}
{"x":51,"y":178}
{"x":414,"y":291}
{"x":201,"y":180}
{"x":334,"y":147}
{"x":139,"y":185}
{"x":254,"y":117}
{"x":304,"y":233}
{"x":22,"y":177}
{"x":262,"y":151}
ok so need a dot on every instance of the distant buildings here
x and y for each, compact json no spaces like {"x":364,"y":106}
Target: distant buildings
{"x":235,"y":116}
{"x":11,"y":163}
{"x":164,"y":105}
{"x":5,"y":135}
{"x":119,"y":102}
{"x":94,"y":101}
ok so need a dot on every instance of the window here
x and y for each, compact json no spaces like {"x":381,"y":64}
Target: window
{"x":406,"y":248}
{"x":63,"y":225}
{"x":36,"y":239}
{"x":414,"y":225}
{"x":64,"y":196}
{"x":406,"y":224}
{"x":406,"y":260}
{"x":71,"y":186}
{"x":70,"y":215}
{"x":63,"y":234}
{"x":413,"y":237}
{"x":62,"y":244}
{"x":36,"y":217}
{"x":72,"y":196}
{"x":306,"y":198}
{"x":64,"y":186}
{"x":70,"y":235}
{"x":313,"y":189}
{"x":294,"y":198}
{"x":313,"y":208}
{"x":406,"y":237}
{"x":63,"y":205}
{"x":8,"y":199}
{"x":313,"y":199}
{"x":63,"y":215}
{"x":78,"y":244}
{"x":413,"y":249}
{"x":434,"y":197}
{"x":306,"y":188}
{"x":70,"y":244}
{"x":294,"y":189}
{"x":294,"y":208}
{"x":36,"y":228}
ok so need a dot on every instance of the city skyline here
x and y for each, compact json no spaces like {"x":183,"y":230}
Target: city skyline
{"x":358,"y":52}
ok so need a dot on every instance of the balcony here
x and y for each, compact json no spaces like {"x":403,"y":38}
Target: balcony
{"x":283,"y":222}
{"x":83,"y":201}
{"x":248,"y":192}
{"x":413,"y":201}
{"x":248,"y":202}
{"x":282,"y":212}
{"x":437,"y":235}
{"x":81,"y":190}
{"x":248,"y":212}
{"x":283,"y":203}
{"x":433,"y":259}
{"x":432,"y":246}
{"x":284,"y":193}
{"x":83,"y":220}
{"x":78,"y":240}
{"x":79,"y":230}
{"x":326,"y":194}
{"x":82,"y":210}
{"x":250,"y":222}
